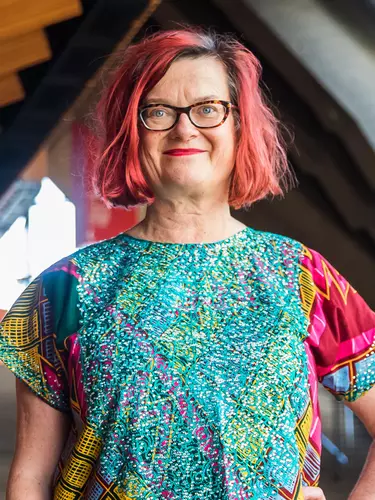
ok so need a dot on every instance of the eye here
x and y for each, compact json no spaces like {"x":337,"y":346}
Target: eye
{"x":207,"y":110}
{"x":157,"y":113}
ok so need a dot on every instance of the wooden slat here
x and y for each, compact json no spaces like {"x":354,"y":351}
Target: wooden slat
{"x":37,"y":168}
{"x":23,"y":51}
{"x":18,"y":17}
{"x":11,"y":90}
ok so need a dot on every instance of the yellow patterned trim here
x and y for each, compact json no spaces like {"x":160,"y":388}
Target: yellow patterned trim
{"x":327,"y":273}
{"x":79,"y":467}
{"x":308,"y":291}
{"x":303,"y":432}
{"x":307,"y":287}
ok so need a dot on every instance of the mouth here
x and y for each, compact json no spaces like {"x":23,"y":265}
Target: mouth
{"x":183,"y":152}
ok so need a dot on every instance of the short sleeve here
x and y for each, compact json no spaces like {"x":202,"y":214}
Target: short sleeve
{"x":341,"y":329}
{"x":32,"y":335}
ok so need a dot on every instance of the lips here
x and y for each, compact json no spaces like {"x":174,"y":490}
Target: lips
{"x":183,"y":152}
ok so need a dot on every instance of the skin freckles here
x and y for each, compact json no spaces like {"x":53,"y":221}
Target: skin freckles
{"x":206,"y":174}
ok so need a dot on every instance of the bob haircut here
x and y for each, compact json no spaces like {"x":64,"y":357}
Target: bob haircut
{"x":261,"y":166}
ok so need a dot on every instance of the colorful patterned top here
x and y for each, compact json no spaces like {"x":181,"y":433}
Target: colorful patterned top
{"x":190,"y":369}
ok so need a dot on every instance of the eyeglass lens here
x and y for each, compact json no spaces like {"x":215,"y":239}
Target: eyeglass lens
{"x":202,"y":115}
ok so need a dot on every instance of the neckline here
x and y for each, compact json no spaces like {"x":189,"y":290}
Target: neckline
{"x":233,"y":237}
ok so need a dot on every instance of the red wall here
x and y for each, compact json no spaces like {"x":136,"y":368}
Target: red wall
{"x":95,"y":222}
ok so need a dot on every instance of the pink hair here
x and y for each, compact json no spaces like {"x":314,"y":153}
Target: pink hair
{"x":261,"y":165}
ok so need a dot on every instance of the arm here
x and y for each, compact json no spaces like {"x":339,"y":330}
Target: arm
{"x":342,"y":338}
{"x":312,"y":493}
{"x":41,"y":434}
{"x":364,"y":408}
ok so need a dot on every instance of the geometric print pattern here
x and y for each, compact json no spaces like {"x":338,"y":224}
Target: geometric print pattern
{"x":359,"y":368}
{"x":73,"y":479}
{"x":345,"y":368}
{"x":341,"y":341}
{"x":176,"y":331}
{"x":29,"y":349}
{"x":191,"y":358}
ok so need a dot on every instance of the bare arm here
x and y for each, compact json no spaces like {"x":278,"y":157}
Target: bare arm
{"x":365,"y":488}
{"x":364,"y":408}
{"x":312,"y":493}
{"x":41,"y":434}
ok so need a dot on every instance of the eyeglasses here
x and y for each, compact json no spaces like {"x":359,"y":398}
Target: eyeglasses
{"x":206,"y":114}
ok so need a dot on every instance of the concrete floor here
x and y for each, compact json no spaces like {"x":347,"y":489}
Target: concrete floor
{"x":338,"y":425}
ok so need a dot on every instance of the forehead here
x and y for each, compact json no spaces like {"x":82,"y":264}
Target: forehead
{"x":189,"y":80}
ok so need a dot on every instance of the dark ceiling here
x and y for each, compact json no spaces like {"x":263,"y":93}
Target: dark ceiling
{"x":333,"y":209}
{"x":79,"y":47}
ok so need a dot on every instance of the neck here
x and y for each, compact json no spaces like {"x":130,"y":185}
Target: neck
{"x":187,"y":222}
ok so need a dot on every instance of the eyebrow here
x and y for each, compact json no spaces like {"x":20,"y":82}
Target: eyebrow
{"x":157,"y":100}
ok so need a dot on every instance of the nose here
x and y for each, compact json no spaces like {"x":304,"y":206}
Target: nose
{"x":184,"y":129}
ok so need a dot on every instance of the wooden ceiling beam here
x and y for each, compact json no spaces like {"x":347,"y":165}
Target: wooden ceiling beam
{"x":11,"y":89}
{"x":18,"y":17}
{"x":23,"y":51}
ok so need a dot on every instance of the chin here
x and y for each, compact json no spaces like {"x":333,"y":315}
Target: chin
{"x":189,"y":180}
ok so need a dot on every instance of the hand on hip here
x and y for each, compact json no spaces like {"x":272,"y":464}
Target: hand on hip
{"x":310,"y":493}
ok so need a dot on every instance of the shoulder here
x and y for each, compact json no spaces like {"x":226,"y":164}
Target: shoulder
{"x":86,"y":258}
{"x":272,"y":238}
{"x":277,"y":245}
{"x":98,"y":252}
{"x":91,"y":275}
{"x":317,"y":277}
{"x":64,"y":281}
{"x":277,"y":259}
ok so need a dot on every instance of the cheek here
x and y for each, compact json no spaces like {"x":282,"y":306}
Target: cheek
{"x":224,"y":146}
{"x":147,"y":144}
{"x":149,"y":148}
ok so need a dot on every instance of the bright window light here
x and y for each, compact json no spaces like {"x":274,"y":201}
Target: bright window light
{"x":27,"y":249}
{"x":52,"y":231}
{"x":13,"y":262}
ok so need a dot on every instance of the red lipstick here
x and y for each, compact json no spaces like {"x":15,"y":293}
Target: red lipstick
{"x":183,"y":152}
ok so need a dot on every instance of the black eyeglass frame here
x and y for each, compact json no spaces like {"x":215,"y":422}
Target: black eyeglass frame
{"x":186,"y":110}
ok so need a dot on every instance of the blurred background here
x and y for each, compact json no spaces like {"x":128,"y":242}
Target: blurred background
{"x":318,"y":58}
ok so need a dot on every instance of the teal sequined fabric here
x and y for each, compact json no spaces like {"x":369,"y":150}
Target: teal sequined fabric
{"x":194,"y":366}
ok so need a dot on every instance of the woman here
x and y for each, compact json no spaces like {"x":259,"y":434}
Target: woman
{"x":182,"y":357}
